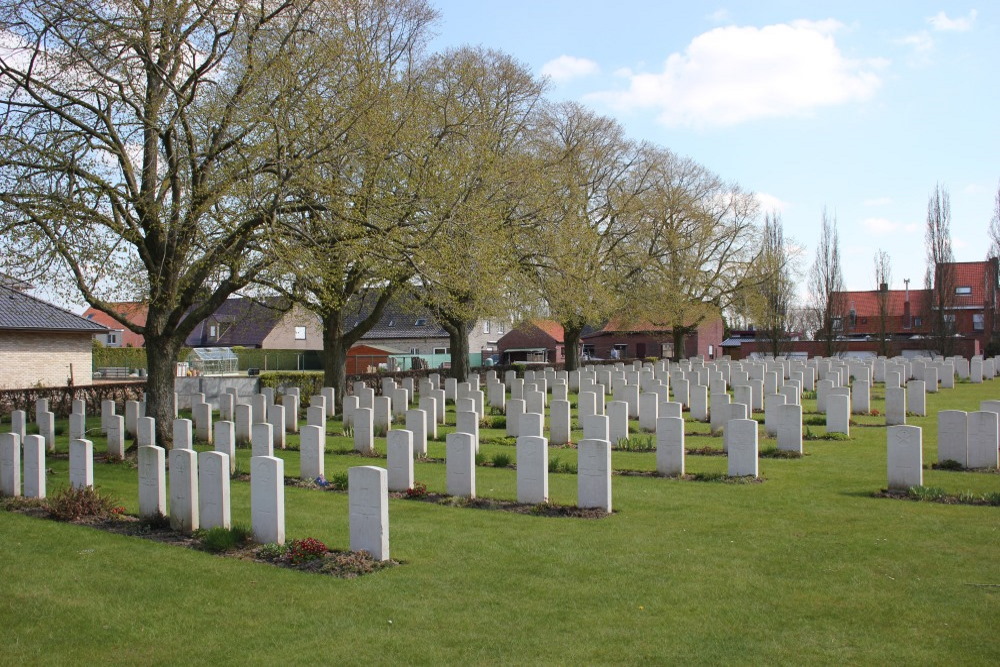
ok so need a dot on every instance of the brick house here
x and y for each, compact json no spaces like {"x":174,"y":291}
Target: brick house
{"x":644,"y":339}
{"x":537,"y":340}
{"x":42,"y":344}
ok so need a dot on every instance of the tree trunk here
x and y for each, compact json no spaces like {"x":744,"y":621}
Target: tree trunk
{"x":458,"y":337}
{"x":335,"y":356}
{"x":571,"y":340}
{"x":678,"y":335}
{"x":161,"y":353}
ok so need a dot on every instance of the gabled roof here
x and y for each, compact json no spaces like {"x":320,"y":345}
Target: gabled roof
{"x":240,"y":321}
{"x":866,"y":303}
{"x":975,"y":275}
{"x":134,"y":311}
{"x":399,"y":320}
{"x":22,"y":312}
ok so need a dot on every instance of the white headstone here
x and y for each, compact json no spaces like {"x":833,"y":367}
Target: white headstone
{"x":983,"y":439}
{"x":47,"y":429}
{"x":34,"y":467}
{"x":225,"y":441}
{"x":416,"y":424}
{"x":351,"y":405}
{"x":243,"y":423}
{"x":532,"y":424}
{"x":267,"y":499}
{"x":953,"y":437}
{"x":276,"y":418}
{"x":312,"y":452}
{"x":532,"y":470}
{"x":10,"y":464}
{"x":916,"y":399}
{"x":460,"y":452}
{"x":364,"y":430}
{"x":152,"y":482}
{"x":895,"y":406}
{"x":291,"y":405}
{"x":429,"y":405}
{"x":905,"y":457}
{"x":741,"y":437}
{"x":81,"y":463}
{"x":262,"y":440}
{"x":838,"y":414}
{"x":618,"y":420}
{"x":670,"y":446}
{"x":182,"y":434}
{"x":368,"y":502}
{"x":789,"y":427}
{"x":559,"y":418}
{"x":213,"y":490}
{"x":515,"y":408}
{"x":184,"y":490}
{"x":399,"y":459}
{"x":594,"y":474}
{"x":146,"y":435}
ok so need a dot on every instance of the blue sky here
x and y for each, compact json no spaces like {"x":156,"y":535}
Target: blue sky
{"x":861,"y":107}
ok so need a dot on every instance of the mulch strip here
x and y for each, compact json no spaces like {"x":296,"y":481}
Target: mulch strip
{"x":335,"y":563}
{"x":541,"y":509}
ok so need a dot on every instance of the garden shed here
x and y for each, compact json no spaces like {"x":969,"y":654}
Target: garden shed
{"x":213,"y":361}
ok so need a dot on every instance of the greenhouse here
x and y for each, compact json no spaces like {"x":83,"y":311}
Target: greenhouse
{"x":213,"y":361}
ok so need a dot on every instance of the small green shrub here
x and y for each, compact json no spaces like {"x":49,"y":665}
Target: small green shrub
{"x":221,"y":540}
{"x":501,"y":460}
{"x":708,"y":476}
{"x":380,"y":430}
{"x":70,"y":504}
{"x":480,"y":458}
{"x":929,"y":493}
{"x":271,"y":551}
{"x":949,"y":464}
{"x":493,"y":421}
{"x":557,"y":466}
{"x":637,"y":443}
{"x":338,"y":481}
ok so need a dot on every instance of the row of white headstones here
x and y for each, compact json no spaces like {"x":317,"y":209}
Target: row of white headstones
{"x":203,"y":499}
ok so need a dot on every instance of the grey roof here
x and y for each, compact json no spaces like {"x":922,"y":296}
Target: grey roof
{"x":399,"y":320}
{"x":20,"y":311}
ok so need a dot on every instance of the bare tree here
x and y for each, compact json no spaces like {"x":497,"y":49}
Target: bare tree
{"x":994,"y":229}
{"x":772,"y":287}
{"x":883,"y":280}
{"x":826,"y":285}
{"x":940,"y":277}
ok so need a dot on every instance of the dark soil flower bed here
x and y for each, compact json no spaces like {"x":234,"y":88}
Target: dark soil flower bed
{"x":541,"y":509}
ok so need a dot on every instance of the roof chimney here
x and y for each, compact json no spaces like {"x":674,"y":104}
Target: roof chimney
{"x":884,"y":287}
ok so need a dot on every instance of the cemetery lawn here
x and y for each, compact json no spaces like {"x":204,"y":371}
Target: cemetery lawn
{"x":807,"y":567}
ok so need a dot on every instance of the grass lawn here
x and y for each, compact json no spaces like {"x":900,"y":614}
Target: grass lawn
{"x":806,"y":567}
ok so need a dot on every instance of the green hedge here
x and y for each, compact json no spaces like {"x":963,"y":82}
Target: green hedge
{"x":279,"y":360}
{"x":119,"y":357}
{"x":308,"y":382}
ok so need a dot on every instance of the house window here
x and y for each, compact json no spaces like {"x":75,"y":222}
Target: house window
{"x":486,"y":326}
{"x":837,"y":323}
{"x":112,"y":339}
{"x":414,"y":350}
{"x":978,"y":322}
{"x":711,"y":352}
{"x":391,"y":323}
{"x":499,"y":327}
{"x":442,"y":350}
{"x":853,"y":318}
{"x":918,"y":321}
{"x":213,"y":331}
{"x":300,"y":333}
{"x":964,"y":290}
{"x":421,"y":322}
{"x":619,"y":351}
{"x":588,"y":351}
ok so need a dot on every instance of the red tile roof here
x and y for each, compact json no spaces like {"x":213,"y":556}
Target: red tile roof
{"x":135,"y":312}
{"x":550,"y":328}
{"x":974,"y":275}
{"x":866,"y":304}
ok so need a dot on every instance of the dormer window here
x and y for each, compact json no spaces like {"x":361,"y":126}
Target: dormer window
{"x":421,"y":322}
{"x":964,"y":290}
{"x":391,"y":323}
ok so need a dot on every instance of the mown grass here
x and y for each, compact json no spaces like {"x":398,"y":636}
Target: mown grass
{"x":805,"y":567}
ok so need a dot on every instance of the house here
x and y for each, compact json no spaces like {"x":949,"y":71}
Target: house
{"x":537,"y":340}
{"x":118,"y":335}
{"x":42,"y":344}
{"x":622,"y":340}
{"x":271,"y":323}
{"x":411,"y":329}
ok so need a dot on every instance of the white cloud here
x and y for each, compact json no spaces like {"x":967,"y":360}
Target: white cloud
{"x":941,"y":22}
{"x":884,"y":227}
{"x":565,"y":68}
{"x":769,"y":202}
{"x":734,"y":74}
{"x":877,"y":201}
{"x":921,"y":42}
{"x":720,"y":16}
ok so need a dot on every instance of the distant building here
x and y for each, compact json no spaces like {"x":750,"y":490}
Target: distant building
{"x":622,"y":340}
{"x":118,"y":335}
{"x":271,"y":323}
{"x":534,"y":341}
{"x":41,"y":344}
